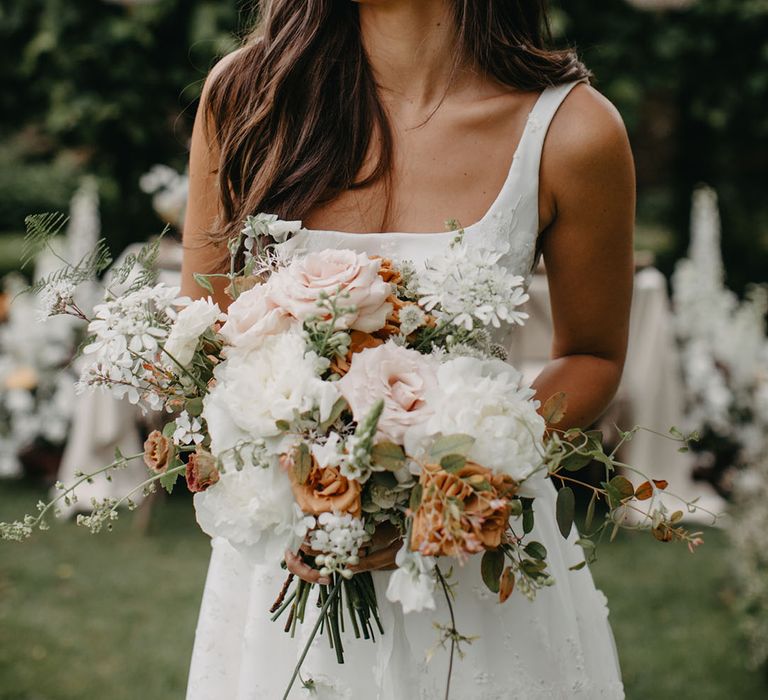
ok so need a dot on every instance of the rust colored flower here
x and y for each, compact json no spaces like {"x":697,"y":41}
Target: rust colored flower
{"x":157,"y":451}
{"x":325,"y":490}
{"x":387,"y":271}
{"x":359,"y":341}
{"x":461,"y":512}
{"x":201,"y":471}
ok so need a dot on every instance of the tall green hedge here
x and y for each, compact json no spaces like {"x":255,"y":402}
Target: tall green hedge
{"x":99,"y":87}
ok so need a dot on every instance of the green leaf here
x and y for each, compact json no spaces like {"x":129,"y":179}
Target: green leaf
{"x":527,"y":514}
{"x":536,"y":550}
{"x":590,"y":512}
{"x":515,"y":508}
{"x":41,"y":228}
{"x":491,"y":566}
{"x":565,"y":509}
{"x":203,"y":281}
{"x":575,"y":461}
{"x":169,"y":429}
{"x":554,"y":408}
{"x":578,"y":566}
{"x":302,"y":463}
{"x":452,"y":463}
{"x":458,"y":444}
{"x":283,"y":425}
{"x":167,"y":481}
{"x":338,"y":408}
{"x":388,"y":455}
{"x":623,"y":486}
{"x":194,"y":407}
{"x":415,"y":501}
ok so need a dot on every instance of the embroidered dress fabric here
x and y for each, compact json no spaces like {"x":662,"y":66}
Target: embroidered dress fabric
{"x":559,"y":646}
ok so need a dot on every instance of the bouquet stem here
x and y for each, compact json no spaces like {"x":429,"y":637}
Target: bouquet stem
{"x":331,"y":597}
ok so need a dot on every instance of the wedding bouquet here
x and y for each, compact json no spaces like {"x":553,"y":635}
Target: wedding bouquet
{"x":343,"y":402}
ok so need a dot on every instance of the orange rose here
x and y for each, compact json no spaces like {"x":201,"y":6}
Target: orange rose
{"x":359,"y":341}
{"x":325,"y":490}
{"x":461,"y":513}
{"x":158,"y":450}
{"x":201,"y":471}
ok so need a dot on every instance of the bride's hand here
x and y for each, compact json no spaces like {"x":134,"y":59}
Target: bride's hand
{"x":381,"y":554}
{"x":297,"y":566}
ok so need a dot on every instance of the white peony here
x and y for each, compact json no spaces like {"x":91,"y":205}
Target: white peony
{"x":252,"y":510}
{"x":412,"y":584}
{"x":257,"y":387}
{"x":192,"y":321}
{"x":488,"y":400}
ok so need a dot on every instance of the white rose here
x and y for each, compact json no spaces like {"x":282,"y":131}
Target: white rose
{"x":192,"y":321}
{"x":412,"y":584}
{"x":399,"y":376}
{"x":252,"y":509}
{"x":252,"y":316}
{"x":298,"y":287}
{"x":257,"y":387}
{"x":488,"y":400}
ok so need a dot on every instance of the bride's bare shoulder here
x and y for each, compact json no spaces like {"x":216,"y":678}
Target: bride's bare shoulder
{"x":586,"y":132}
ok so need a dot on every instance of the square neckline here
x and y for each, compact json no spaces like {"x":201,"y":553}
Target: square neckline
{"x":489,"y":212}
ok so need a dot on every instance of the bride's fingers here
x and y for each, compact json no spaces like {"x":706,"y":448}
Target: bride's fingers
{"x":304,"y":571}
{"x":380,"y":559}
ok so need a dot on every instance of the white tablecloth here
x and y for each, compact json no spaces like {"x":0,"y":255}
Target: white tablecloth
{"x":651,"y":390}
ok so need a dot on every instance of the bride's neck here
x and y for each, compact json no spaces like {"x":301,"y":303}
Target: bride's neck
{"x":411,"y":45}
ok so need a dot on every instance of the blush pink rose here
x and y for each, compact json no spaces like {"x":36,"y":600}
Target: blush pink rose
{"x":297,"y":288}
{"x":252,"y":316}
{"x":399,"y":376}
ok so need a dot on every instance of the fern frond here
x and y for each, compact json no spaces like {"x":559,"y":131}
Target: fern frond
{"x":40,"y":230}
{"x":145,"y":259}
{"x":89,"y":267}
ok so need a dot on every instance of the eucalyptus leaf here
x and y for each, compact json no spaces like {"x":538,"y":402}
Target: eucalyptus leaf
{"x":388,"y":455}
{"x":302,"y":463}
{"x":565,"y":510}
{"x":194,"y":407}
{"x":416,"y":494}
{"x":590,"y":512}
{"x":623,"y":486}
{"x":553,"y":410}
{"x":453,"y":463}
{"x":575,"y":461}
{"x":203,"y":281}
{"x":338,"y":408}
{"x":458,"y":444}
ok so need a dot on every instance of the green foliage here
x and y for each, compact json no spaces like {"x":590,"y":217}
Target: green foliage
{"x":113,"y":87}
{"x":691,"y":87}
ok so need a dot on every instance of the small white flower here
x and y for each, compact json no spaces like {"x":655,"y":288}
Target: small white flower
{"x":188,"y":431}
{"x":412,"y":584}
{"x":191,"y":322}
{"x":412,"y":317}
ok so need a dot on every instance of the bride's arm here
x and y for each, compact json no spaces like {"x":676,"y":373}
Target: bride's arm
{"x":200,"y":254}
{"x":588,"y":185}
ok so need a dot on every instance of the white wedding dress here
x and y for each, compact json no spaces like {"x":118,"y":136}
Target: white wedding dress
{"x":560,"y":646}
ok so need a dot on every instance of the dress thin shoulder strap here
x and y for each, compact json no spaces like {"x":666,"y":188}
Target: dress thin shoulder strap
{"x":539,"y":120}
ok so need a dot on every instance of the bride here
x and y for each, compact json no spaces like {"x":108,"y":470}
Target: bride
{"x":375,"y":122}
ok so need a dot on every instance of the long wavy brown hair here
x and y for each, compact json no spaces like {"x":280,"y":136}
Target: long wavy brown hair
{"x":295,"y":112}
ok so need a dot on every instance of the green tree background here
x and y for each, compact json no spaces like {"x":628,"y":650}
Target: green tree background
{"x":111,"y":89}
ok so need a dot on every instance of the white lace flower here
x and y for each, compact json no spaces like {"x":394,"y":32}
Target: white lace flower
{"x":412,"y":584}
{"x":54,"y":298}
{"x":127,"y":332}
{"x":466,"y":284}
{"x":191,"y":322}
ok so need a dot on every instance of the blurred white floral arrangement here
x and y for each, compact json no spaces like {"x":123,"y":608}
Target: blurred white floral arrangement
{"x":169,"y":190}
{"x":725,"y":362}
{"x":37,"y":385}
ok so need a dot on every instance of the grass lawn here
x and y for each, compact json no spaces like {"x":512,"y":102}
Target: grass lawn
{"x":101,"y":616}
